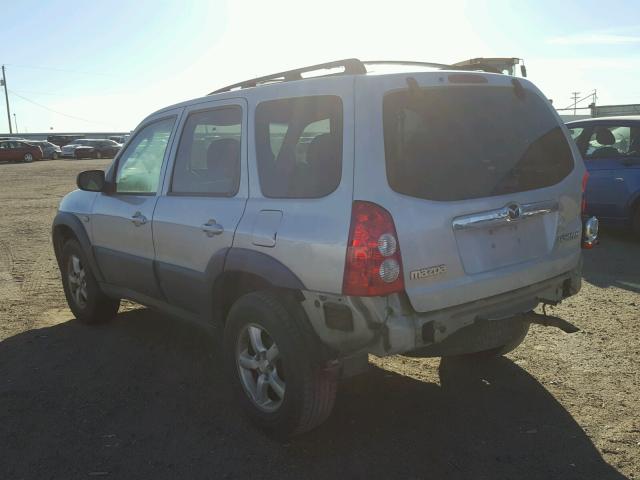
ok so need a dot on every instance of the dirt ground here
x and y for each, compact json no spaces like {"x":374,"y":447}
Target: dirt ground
{"x":145,"y":396}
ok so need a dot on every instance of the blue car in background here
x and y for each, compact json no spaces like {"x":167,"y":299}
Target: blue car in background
{"x":610,"y":148}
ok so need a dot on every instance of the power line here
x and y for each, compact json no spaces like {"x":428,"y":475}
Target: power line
{"x":55,"y":111}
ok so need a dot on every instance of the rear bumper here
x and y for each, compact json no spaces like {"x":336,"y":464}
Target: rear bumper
{"x":389,"y":325}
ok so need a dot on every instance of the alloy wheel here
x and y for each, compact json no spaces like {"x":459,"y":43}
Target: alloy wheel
{"x":77,"y":280}
{"x":260,"y":368}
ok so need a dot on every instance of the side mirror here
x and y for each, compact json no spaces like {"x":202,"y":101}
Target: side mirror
{"x":91,"y":181}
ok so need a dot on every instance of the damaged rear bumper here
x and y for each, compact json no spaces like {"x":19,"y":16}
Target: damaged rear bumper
{"x":388,"y":325}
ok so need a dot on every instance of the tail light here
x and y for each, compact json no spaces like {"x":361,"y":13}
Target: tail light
{"x":585,"y":179}
{"x":373,"y":265}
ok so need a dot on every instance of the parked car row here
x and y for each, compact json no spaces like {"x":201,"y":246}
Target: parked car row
{"x":23,"y":150}
{"x":91,"y":148}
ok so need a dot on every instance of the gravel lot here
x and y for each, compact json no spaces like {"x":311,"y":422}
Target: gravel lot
{"x":145,"y":397}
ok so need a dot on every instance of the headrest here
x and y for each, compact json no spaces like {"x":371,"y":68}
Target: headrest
{"x":604,"y":136}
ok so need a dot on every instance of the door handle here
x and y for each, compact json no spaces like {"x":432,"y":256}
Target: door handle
{"x":212,"y":228}
{"x":138,"y":219}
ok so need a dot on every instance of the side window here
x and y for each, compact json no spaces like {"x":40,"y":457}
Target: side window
{"x":576,"y":132}
{"x":208,"y":157}
{"x":299,"y":146}
{"x":609,"y":141}
{"x":139,"y":165}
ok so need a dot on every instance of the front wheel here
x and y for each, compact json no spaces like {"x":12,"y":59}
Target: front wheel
{"x":28,"y":158}
{"x":86,"y":301}
{"x":278,"y":385}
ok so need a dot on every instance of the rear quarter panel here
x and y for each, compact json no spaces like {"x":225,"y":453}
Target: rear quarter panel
{"x":311,"y":234}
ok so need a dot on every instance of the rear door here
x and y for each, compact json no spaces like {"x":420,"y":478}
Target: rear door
{"x":203,"y":200}
{"x":480,"y":179}
{"x":121,"y":220}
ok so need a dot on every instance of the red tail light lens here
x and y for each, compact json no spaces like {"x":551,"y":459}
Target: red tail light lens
{"x":585,"y":179}
{"x":373,"y":265}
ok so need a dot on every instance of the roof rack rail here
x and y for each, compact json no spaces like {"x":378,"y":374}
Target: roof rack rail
{"x":352,"y":66}
{"x":407,"y":63}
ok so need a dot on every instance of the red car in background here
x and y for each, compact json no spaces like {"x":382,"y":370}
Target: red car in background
{"x":19,"y":151}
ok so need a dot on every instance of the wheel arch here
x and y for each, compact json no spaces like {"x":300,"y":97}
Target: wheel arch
{"x":68,"y":226}
{"x":244,"y":271}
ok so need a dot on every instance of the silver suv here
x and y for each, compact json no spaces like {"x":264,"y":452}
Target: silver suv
{"x":327,"y":213}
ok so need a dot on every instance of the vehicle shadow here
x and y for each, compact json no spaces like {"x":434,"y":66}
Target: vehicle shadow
{"x":145,"y":397}
{"x":615,"y":262}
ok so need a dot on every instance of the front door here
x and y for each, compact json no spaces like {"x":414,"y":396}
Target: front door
{"x":613,"y":162}
{"x":122,"y":234}
{"x":203,"y":201}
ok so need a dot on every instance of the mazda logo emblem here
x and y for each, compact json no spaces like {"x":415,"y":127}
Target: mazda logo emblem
{"x":514,"y":211}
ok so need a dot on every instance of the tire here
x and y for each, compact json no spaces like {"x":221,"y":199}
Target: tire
{"x":496,"y":352}
{"x":28,"y":158}
{"x":297,"y":394}
{"x":86,"y":301}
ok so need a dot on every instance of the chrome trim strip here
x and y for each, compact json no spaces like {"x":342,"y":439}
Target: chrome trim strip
{"x":504,"y":215}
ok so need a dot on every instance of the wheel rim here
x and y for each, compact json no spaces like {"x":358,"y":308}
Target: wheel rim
{"x":28,"y":157}
{"x":260,"y":368}
{"x":77,"y":280}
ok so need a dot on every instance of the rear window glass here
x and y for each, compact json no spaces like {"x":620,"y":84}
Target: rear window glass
{"x":299,"y":146}
{"x":458,"y":143}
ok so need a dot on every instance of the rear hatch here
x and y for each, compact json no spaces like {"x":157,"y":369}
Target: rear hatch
{"x":482,"y":184}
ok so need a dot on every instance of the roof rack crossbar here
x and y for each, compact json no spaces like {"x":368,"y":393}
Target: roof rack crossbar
{"x":352,"y":66}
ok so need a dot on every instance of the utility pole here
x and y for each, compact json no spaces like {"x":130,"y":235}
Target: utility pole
{"x":575,"y":101}
{"x":16,"y":122}
{"x":6,"y":97}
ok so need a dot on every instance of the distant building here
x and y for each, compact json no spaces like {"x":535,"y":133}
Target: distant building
{"x":599,"y":111}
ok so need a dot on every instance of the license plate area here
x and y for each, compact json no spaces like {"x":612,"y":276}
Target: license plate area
{"x":485,"y":249}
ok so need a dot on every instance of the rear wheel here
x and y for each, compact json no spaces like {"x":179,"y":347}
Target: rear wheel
{"x":277,"y":383}
{"x":28,"y":157}
{"x":85,"y":299}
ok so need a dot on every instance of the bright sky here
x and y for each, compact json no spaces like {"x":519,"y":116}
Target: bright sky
{"x":106,"y":65}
